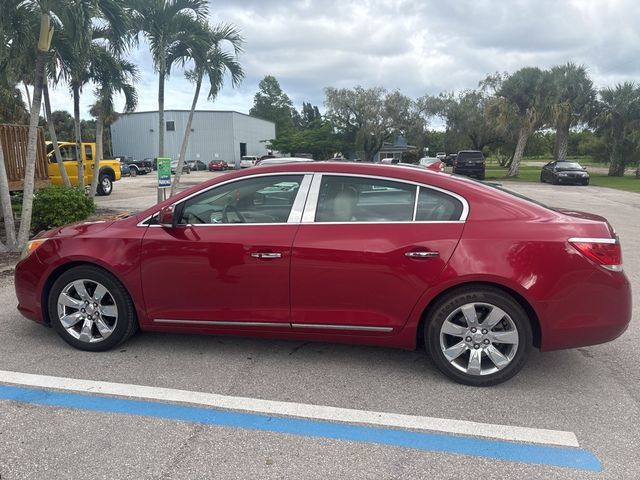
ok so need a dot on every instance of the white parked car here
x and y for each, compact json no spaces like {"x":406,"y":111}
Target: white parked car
{"x":248,"y":161}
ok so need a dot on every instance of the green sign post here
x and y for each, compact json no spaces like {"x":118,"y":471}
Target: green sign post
{"x":164,"y":177}
{"x":164,"y":172}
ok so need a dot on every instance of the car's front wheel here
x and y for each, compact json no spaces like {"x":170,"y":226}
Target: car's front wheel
{"x":478,"y":336}
{"x":90,"y":309}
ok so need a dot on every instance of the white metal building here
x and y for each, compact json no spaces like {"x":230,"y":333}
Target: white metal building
{"x":224,"y":135}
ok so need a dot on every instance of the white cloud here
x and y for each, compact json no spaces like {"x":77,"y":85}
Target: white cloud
{"x":417,"y":47}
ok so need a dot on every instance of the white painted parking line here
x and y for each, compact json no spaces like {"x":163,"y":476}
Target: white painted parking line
{"x":318,"y":412}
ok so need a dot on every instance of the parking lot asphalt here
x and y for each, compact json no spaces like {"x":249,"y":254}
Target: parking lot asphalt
{"x":593,"y":392}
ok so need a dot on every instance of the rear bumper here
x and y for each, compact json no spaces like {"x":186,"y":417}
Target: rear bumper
{"x":597,"y":311}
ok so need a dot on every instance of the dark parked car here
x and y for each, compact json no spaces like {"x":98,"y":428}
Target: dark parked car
{"x":217,"y":165}
{"x":470,"y":163}
{"x":139,"y":167}
{"x":564,"y":172}
{"x":124,"y":168}
{"x":339,"y":252}
{"x":196,"y":165}
{"x":449,"y":159}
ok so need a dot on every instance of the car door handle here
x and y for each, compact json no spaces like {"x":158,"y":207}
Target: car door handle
{"x":266,"y":255}
{"x":422,"y":254}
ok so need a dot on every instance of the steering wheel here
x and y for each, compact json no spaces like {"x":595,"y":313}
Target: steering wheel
{"x":234,"y":211}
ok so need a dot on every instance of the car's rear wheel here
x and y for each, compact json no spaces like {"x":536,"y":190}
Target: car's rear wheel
{"x":90,"y":309}
{"x":105,"y":184}
{"x":478,"y":336}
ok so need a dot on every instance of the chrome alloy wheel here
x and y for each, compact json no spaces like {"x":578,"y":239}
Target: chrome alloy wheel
{"x":479,"y":339}
{"x":106,"y":185}
{"x":87,"y":311}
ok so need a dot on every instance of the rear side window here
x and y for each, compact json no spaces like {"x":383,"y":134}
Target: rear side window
{"x":435,"y":206}
{"x":359,"y":199}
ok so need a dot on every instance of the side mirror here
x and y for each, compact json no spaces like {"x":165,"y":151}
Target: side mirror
{"x":165,"y":217}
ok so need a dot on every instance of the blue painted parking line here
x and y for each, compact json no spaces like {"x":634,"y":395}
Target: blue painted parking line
{"x":434,"y":442}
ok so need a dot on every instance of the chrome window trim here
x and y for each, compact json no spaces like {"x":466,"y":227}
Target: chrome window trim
{"x":141,"y":223}
{"x":222,"y":323}
{"x":415,"y":203}
{"x":318,"y":326}
{"x":309,"y":214}
{"x":308,"y":217}
{"x":297,"y":209}
{"x":325,"y":326}
{"x":593,"y":240}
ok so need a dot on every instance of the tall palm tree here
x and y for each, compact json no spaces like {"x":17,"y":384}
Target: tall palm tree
{"x":85,"y":27}
{"x":526,"y":93}
{"x":168,"y":25}
{"x":214,"y":62}
{"x":574,"y":97}
{"x":42,"y":9}
{"x":112,"y":75}
{"x":617,"y":116}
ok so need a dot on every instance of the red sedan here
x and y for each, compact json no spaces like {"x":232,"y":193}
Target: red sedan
{"x":217,"y":165}
{"x":339,"y":252}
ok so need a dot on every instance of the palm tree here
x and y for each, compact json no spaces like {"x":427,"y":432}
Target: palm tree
{"x":85,"y":26}
{"x":574,"y":97}
{"x":215,"y":63}
{"x":168,"y":25}
{"x":526,"y":94}
{"x":43,"y":46}
{"x":112,"y":75}
{"x":617,"y":116}
{"x":16,"y":30}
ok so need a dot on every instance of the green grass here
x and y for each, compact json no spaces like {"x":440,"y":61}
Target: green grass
{"x":628,"y":183}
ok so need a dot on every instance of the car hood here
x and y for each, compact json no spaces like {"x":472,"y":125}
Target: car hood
{"x":75,"y":229}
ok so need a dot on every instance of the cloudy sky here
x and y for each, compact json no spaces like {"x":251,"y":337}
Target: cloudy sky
{"x":417,"y":47}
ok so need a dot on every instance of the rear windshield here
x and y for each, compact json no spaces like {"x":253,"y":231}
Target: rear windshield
{"x":500,"y":187}
{"x":470,"y":155}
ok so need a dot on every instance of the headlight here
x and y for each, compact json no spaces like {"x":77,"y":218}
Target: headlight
{"x":31,"y":247}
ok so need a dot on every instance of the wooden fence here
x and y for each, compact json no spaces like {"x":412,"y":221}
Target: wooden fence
{"x":13,"y":141}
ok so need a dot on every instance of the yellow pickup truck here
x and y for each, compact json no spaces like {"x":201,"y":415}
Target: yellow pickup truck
{"x":109,"y":169}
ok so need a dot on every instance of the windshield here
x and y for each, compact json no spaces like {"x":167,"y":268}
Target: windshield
{"x":569,"y":166}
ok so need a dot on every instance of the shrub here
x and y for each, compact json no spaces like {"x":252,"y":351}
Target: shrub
{"x":54,"y":206}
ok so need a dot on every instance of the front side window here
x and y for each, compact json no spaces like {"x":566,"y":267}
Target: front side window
{"x":266,"y":199}
{"x":359,"y":199}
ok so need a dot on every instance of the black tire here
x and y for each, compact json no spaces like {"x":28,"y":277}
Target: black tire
{"x":515,"y":323}
{"x":585,"y":182}
{"x":554,"y":181}
{"x":123,"y":325}
{"x":541,"y":179}
{"x":105,"y":184}
{"x":133,"y":172}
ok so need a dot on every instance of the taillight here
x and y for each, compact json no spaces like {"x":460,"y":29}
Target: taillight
{"x":606,"y":252}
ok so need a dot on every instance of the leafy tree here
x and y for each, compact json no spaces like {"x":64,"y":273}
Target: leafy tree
{"x":211,"y":60}
{"x":271,"y":103}
{"x":309,"y":115}
{"x":367,"y":117}
{"x":574,"y":98}
{"x":319,"y":139}
{"x":617,"y":118}
{"x":465,"y":117}
{"x":112,"y":75}
{"x":524,"y":101}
